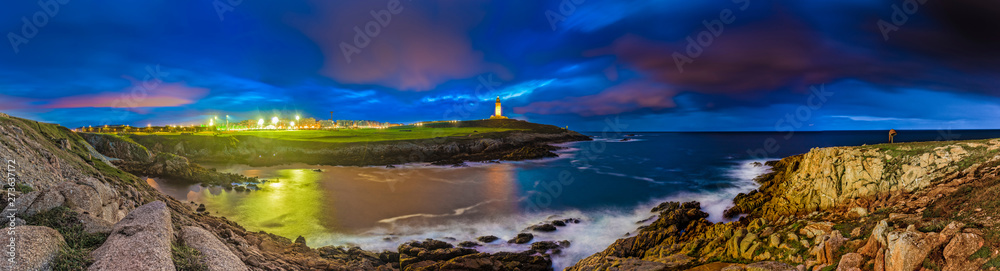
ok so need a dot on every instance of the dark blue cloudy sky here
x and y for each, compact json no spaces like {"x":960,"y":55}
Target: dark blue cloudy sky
{"x":760,"y":65}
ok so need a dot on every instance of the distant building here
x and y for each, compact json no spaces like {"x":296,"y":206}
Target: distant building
{"x":499,"y":111}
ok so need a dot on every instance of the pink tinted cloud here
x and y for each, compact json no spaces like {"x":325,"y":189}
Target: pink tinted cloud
{"x":162,"y":95}
{"x":743,"y":61}
{"x":417,"y":49}
{"x":622,"y":98}
{"x":12,"y":103}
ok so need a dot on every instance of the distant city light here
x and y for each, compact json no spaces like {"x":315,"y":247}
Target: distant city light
{"x":260,"y":122}
{"x":274,"y":120}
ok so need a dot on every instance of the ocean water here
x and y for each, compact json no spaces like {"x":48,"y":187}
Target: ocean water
{"x":608,"y":184}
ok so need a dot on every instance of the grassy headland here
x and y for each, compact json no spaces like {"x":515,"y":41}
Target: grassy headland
{"x":440,"y":142}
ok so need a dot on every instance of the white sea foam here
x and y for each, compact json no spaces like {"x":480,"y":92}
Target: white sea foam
{"x":618,"y":174}
{"x":716,"y":202}
{"x":456,"y":212}
{"x":596,"y":231}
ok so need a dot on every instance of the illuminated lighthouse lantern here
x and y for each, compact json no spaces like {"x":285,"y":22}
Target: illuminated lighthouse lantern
{"x":499,"y":112}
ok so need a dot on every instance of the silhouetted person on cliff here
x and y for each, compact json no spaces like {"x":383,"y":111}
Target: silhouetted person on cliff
{"x":892,"y":133}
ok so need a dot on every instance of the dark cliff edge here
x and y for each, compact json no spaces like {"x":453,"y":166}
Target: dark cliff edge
{"x":908,"y":206}
{"x":75,"y":209}
{"x":531,"y":141}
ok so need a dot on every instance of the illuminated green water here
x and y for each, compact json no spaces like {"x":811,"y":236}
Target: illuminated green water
{"x":298,"y":201}
{"x":290,"y":207}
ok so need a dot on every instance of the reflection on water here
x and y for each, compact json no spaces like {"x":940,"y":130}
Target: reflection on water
{"x":297,"y":200}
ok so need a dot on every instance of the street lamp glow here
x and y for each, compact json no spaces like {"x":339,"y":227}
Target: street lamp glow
{"x":260,"y":122}
{"x":292,"y":125}
{"x":296,"y":117}
{"x":274,"y":120}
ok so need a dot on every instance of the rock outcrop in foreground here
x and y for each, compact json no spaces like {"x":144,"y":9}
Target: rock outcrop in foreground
{"x":217,"y":255}
{"x":140,"y":241}
{"x":893,"y":207}
{"x":36,"y":248}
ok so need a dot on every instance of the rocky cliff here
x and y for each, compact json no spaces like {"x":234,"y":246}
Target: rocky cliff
{"x":827,"y":177}
{"x":910,"y":206}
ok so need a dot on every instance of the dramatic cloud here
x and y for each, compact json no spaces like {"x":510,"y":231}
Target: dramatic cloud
{"x":626,"y":97}
{"x":399,"y":45}
{"x":160,"y":95}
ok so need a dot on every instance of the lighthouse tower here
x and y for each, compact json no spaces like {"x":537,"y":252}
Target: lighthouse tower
{"x":498,"y":111}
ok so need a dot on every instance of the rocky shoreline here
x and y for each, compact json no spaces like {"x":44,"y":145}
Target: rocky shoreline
{"x":893,"y":207}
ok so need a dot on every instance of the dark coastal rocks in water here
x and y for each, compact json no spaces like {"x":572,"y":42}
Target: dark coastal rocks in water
{"x":546,"y":246}
{"x":676,"y":216}
{"x":216,"y":255}
{"x":488,"y":239}
{"x":356,"y":258}
{"x":531,"y":152}
{"x":36,"y":247}
{"x":437,"y":255}
{"x":564,"y":222}
{"x":140,"y":241}
{"x":521,"y":238}
{"x":429,"y":251}
{"x":496,"y":261}
{"x":468,"y":244}
{"x":543,"y":228}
